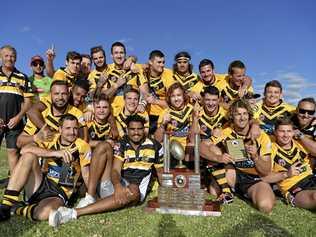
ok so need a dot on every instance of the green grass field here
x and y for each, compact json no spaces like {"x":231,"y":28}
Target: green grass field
{"x":237,"y":219}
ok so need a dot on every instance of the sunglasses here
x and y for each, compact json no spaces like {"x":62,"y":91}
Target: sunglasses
{"x":304,"y":111}
{"x":35,"y":64}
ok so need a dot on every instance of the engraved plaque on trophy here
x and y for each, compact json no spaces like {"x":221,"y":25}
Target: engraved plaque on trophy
{"x":236,"y":149}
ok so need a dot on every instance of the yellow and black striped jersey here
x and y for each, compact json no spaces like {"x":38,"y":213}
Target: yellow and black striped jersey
{"x":200,"y":86}
{"x":208,"y":123}
{"x":158,"y":87}
{"x":53,"y":121}
{"x":188,"y":82}
{"x":97,"y":131}
{"x":120,"y":118}
{"x":263,"y":144}
{"x":81,"y":153}
{"x":94,"y":77}
{"x":13,"y":89}
{"x":138,"y":163}
{"x":268,"y":115}
{"x":63,"y":75}
{"x":180,"y":123}
{"x":227,"y":92}
{"x":284,"y":159}
{"x":133,"y":79}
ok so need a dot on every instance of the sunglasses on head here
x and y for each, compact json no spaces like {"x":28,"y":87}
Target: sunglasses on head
{"x":36,"y":63}
{"x":304,"y":111}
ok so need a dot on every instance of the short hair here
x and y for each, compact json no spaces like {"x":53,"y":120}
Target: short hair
{"x":82,"y":83}
{"x":118,"y":44}
{"x":135,"y":118}
{"x":97,"y":49}
{"x":307,"y":99}
{"x":130,"y":89}
{"x":241,"y":103}
{"x":205,"y":62}
{"x":235,"y":64}
{"x":73,"y":55}
{"x":59,"y":83}
{"x":212,"y":90}
{"x":65,"y":117}
{"x":86,"y":56}
{"x":9,"y":47}
{"x":283,"y":121}
{"x":172,"y":88}
{"x":273,"y":83}
{"x":156,"y":53}
{"x":100,"y":97}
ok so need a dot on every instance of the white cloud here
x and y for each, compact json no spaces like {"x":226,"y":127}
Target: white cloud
{"x":37,"y":39}
{"x":25,"y":29}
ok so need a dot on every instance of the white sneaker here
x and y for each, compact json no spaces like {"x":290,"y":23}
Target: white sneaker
{"x":61,"y":216}
{"x":87,"y":200}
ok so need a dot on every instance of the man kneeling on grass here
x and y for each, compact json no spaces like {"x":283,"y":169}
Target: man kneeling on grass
{"x":291,"y":170}
{"x":67,"y":157}
{"x":134,"y":157}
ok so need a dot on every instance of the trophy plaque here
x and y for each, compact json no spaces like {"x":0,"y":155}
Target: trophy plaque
{"x":180,"y":190}
{"x":236,"y":149}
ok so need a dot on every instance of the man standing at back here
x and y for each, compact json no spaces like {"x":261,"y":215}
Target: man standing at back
{"x":15,"y":100}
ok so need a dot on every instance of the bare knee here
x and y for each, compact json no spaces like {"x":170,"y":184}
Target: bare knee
{"x":103,"y":147}
{"x":265,"y":205}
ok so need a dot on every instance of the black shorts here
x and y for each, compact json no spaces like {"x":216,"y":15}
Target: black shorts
{"x":308,"y":183}
{"x":48,"y":188}
{"x":244,"y":181}
{"x":11,"y":135}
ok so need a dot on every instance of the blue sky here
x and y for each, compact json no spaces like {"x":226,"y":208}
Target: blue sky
{"x":275,"y":39}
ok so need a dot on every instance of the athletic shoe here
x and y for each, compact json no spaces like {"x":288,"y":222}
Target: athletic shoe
{"x":87,"y":200}
{"x":225,"y":198}
{"x":61,"y":216}
{"x":4,"y":212}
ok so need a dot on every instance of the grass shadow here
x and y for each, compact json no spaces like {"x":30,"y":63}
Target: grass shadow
{"x":255,"y":223}
{"x":168,"y":227}
{"x":16,"y":226}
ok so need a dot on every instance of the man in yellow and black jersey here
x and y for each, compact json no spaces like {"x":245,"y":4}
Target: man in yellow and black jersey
{"x":72,"y":70}
{"x":121,"y":73}
{"x":15,"y":100}
{"x":272,"y":107}
{"x":305,"y":126}
{"x":245,"y":176}
{"x":207,"y":78}
{"x":212,"y":117}
{"x":291,"y":168}
{"x":135,"y":158}
{"x":159,"y":80}
{"x":236,"y":84}
{"x":131,"y":101}
{"x":99,"y":59}
{"x":182,"y":71}
{"x":52,"y":114}
{"x":67,"y":156}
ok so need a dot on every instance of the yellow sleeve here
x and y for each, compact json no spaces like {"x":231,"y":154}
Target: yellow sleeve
{"x":93,"y":85}
{"x":59,"y":75}
{"x":30,"y":128}
{"x":266,"y":145}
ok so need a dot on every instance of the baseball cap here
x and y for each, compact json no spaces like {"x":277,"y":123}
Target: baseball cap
{"x":37,"y":58}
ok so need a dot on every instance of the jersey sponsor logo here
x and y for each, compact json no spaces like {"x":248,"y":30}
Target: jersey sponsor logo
{"x":282,"y":162}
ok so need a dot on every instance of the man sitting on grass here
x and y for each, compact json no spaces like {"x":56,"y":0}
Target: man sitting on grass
{"x":134,"y":158}
{"x":67,"y":157}
{"x":292,"y":170}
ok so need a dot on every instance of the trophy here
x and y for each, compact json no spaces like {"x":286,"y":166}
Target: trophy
{"x":180,"y":190}
{"x":236,"y":148}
